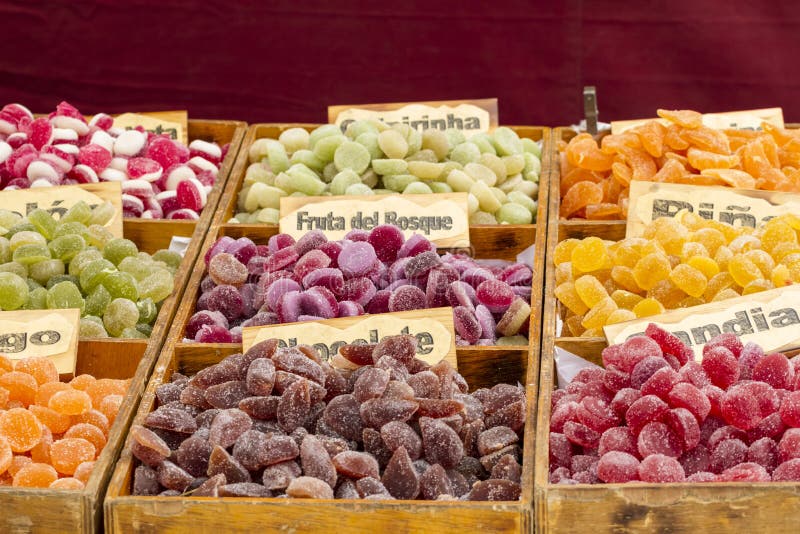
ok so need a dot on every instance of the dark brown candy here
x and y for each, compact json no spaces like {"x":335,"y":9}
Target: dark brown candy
{"x":203,"y":419}
{"x":370,"y":384}
{"x":227,"y":426}
{"x":472,"y":469}
{"x":299,"y":434}
{"x":440,"y":443}
{"x":316,"y":461}
{"x":396,"y":369}
{"x":244,"y":489}
{"x":310,"y":352}
{"x":172,"y":439}
{"x":279,"y":449}
{"x":377,"y":412}
{"x":495,"y":439}
{"x":374,"y":445}
{"x":456,"y":422}
{"x":293,"y":361}
{"x":193,"y":455}
{"x":402,"y":348}
{"x":438,"y":408}
{"x":347,"y":490}
{"x":265,"y":408}
{"x":334,"y":445}
{"x":260,"y":377}
{"x":227,"y":394}
{"x":210,"y":488}
{"x":171,"y":419}
{"x":169,"y":493}
{"x":425,"y":385}
{"x":220,"y":462}
{"x":494,"y":490}
{"x":148,"y":447}
{"x":473,"y":409}
{"x":145,"y":481}
{"x":400,"y":478}
{"x":397,"y":434}
{"x":283,"y":380}
{"x":397,"y":389}
{"x":263,"y":349}
{"x":314,"y":416}
{"x":224,"y":371}
{"x":309,"y":488}
{"x":335,"y":384}
{"x":356,"y":465}
{"x":508,"y":468}
{"x":358,"y":354}
{"x":501,"y":396}
{"x":469,"y":436}
{"x":173,"y":477}
{"x":421,"y":466}
{"x":248,"y":449}
{"x":434,"y":482}
{"x":512,"y":416}
{"x":372,"y":487}
{"x":169,"y":392}
{"x":278,"y":476}
{"x":194,"y":396}
{"x":458,"y":483}
{"x":294,"y":405}
{"x":343,"y":416}
{"x":488,"y":461}
{"x":417,"y":366}
{"x":267,"y":427}
{"x":178,"y":378}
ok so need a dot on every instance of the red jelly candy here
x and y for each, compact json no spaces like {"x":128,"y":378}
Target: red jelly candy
{"x":721,"y":366}
{"x":658,"y":438}
{"x":95,"y":157}
{"x":774,"y":369}
{"x":684,"y":425}
{"x":729,"y":340}
{"x":790,"y":409}
{"x":660,"y":468}
{"x":685,"y":395}
{"x":617,"y":466}
{"x":618,"y":438}
{"x":669,"y":343}
{"x":661,"y":382}
{"x":645,"y":410}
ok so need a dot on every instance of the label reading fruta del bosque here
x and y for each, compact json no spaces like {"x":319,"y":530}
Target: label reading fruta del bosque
{"x":442,"y":217}
{"x":433,"y":329}
{"x":737,"y":207}
{"x":470,"y":116}
{"x":49,"y":333}
{"x":57,"y":200}
{"x":770,"y":318}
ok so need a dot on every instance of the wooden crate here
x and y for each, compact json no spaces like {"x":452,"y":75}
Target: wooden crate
{"x":685,"y":507}
{"x":481,"y":366}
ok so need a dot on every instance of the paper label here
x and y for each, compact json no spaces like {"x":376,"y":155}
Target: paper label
{"x":770,"y":318}
{"x":737,"y":207}
{"x":433,"y":329}
{"x":471,"y":116}
{"x":57,"y":200}
{"x":49,"y":333}
{"x":174,"y":123}
{"x":441,"y":217}
{"x":734,"y":120}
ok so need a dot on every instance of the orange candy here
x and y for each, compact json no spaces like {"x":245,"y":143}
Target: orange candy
{"x":67,"y":483}
{"x":47,"y":390}
{"x":103,"y":387}
{"x":41,"y":368}
{"x":35,"y":475}
{"x":6,"y":455}
{"x":93,"y":417}
{"x":70,"y":402}
{"x":21,"y":428}
{"x":90,"y":433}
{"x":68,"y":453}
{"x":58,"y":423}
{"x":84,"y":471}
{"x":21,"y":387}
{"x":110,"y":405}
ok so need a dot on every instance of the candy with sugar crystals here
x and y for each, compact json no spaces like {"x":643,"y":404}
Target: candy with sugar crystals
{"x":191,"y":195}
{"x":129,"y":143}
{"x":95,"y":157}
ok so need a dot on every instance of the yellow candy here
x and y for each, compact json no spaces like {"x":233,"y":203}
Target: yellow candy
{"x":573,"y":325}
{"x":625,"y":299}
{"x":688,"y":302}
{"x":743,"y":270}
{"x":705,"y":265}
{"x":692,"y":249}
{"x":651,"y":269}
{"x":762,"y":260}
{"x":623,"y":276}
{"x":757,"y":286}
{"x":670,"y":234}
{"x":648,"y":307}
{"x":725,"y":294}
{"x":722,"y":257}
{"x":564,"y":272}
{"x":566,"y":294}
{"x":710,"y":238}
{"x":598,"y":315}
{"x":667,"y":294}
{"x":781,"y":250}
{"x":781,"y":276}
{"x":589,"y":255}
{"x":563,"y":251}
{"x":620,"y":316}
{"x":593,"y":332}
{"x":777,"y":232}
{"x":590,"y":290}
{"x":690,"y":280}
{"x":624,"y":254}
{"x":717,"y":283}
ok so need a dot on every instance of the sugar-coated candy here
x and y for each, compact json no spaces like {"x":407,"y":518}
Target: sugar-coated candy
{"x":388,"y":432}
{"x":678,"y":420}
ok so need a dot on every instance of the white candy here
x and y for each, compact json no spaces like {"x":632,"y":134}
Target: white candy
{"x":87,"y":172}
{"x":203,"y":164}
{"x":5,"y":151}
{"x":130,"y":199}
{"x":184,"y":172}
{"x":207,"y":189}
{"x":115,"y":132}
{"x":41,"y":169}
{"x":121,"y":164}
{"x":206,"y":148}
{"x":64,"y":134}
{"x":17,"y":137}
{"x":7,"y":128}
{"x":69,"y":149}
{"x":113,"y":175}
{"x":57,"y":160}
{"x":103,"y":139}
{"x":164,"y":195}
{"x":62,"y":121}
{"x":129,"y":143}
{"x":25,"y":109}
{"x":41,"y":182}
{"x":146,"y":214}
{"x":132,"y":186}
{"x":96,"y":119}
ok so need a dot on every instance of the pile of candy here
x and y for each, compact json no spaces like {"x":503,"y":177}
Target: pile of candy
{"x":367,"y":272}
{"x":679,"y":262}
{"x":160,"y":178}
{"x":76,"y":262}
{"x":500,"y":171}
{"x":656,"y":415}
{"x":595,"y":180}
{"x":280,"y":422}
{"x":51,"y":432}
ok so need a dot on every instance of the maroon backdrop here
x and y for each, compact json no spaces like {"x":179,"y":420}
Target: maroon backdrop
{"x":264,"y":61}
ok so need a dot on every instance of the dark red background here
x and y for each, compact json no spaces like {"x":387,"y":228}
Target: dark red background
{"x":287,"y":60}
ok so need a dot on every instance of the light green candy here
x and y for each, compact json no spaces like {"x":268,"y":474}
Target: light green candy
{"x":37,"y":299}
{"x":258,"y":173}
{"x":22,"y":226}
{"x":102,"y":213}
{"x":300,"y":178}
{"x":460,"y":181}
{"x":472,"y":204}
{"x":481,"y":217}
{"x":359,"y":189}
{"x":513,"y":213}
{"x":511,"y":184}
{"x":294,"y":139}
{"x":45,"y":270}
{"x":157,"y":286}
{"x":307,"y":158}
{"x":98,"y":236}
{"x":440,"y":187}
{"x":343,"y":180}
{"x":532,"y":147}
{"x":499,"y":194}
{"x":532,"y":164}
{"x":62,"y":278}
{"x":417,"y":188}
{"x":423,"y":155}
{"x":436,"y":141}
{"x":97,"y":301}
{"x":16,"y":268}
{"x":465,"y":153}
{"x":353,"y":156}
{"x":260,"y":195}
{"x":389,"y":166}
{"x":82,"y":259}
{"x":78,"y":212}
{"x":454,"y":137}
{"x":276,"y":156}
{"x":145,"y":329}
{"x":369,"y":140}
{"x":356,"y":128}
{"x":72,"y":227}
{"x":13,"y":291}
{"x":66,"y":247}
{"x":370,"y":179}
{"x":398,"y":182}
{"x":5,"y":250}
{"x":8,"y":218}
{"x":522,"y":199}
{"x":139,"y":269}
{"x":65,"y":295}
{"x":516,"y":341}
{"x":325,"y":148}
{"x":94,"y":273}
{"x":496,"y":164}
{"x":118,"y":249}
{"x":32,"y":284}
{"x":257,"y":150}
{"x":30,"y":254}
{"x":121,"y":285}
{"x":148,"y":310}
{"x":132,"y":333}
{"x":120,"y":314}
{"x":169,"y":257}
{"x":268,"y":216}
{"x":393,"y":144}
{"x":484,"y":143}
{"x":44,"y":222}
{"x":506,"y":141}
{"x":528,"y":188}
{"x":487,"y":200}
{"x":413,"y":138}
{"x":514,"y":164}
{"x":329,"y":172}
{"x":90,"y":328}
{"x":482,"y":173}
{"x":425,"y":170}
{"x":321,"y":132}
{"x":26,"y":238}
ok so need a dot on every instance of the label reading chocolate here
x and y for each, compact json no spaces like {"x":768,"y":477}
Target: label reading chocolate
{"x":730,"y":120}
{"x":737,"y":207}
{"x":770,"y":318}
{"x":49,"y":333}
{"x":57,"y":200}
{"x":433,"y":329}
{"x":471,"y":116}
{"x":173,"y":123}
{"x":442,"y":218}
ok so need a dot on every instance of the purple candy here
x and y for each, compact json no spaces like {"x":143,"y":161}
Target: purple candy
{"x":226,"y":300}
{"x":211,"y":333}
{"x":461,"y":294}
{"x":204,"y":317}
{"x":220,"y":246}
{"x":327,"y":277}
{"x":497,"y":296}
{"x":279,"y":241}
{"x":289,"y":307}
{"x":348,"y":308}
{"x":379,"y":303}
{"x":416,"y":244}
{"x":359,"y":290}
{"x":387,"y":241}
{"x":357,"y":235}
{"x":243,"y":249}
{"x":486,"y":320}
{"x":407,"y":298}
{"x":357,"y":259}
{"x":278,"y":289}
{"x":320,"y":302}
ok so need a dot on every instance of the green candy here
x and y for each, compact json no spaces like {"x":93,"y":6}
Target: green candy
{"x":16,"y":268}
{"x":82,"y":259}
{"x":353,"y":156}
{"x":513,"y":213}
{"x":121,"y":285}
{"x":90,"y":328}
{"x":94,"y":273}
{"x":147,"y":310}
{"x":97,"y":301}
{"x":30,"y":254}
{"x":37,"y":299}
{"x":78,"y":212}
{"x":506,"y":141}
{"x":66,"y":247}
{"x":45,"y":270}
{"x":170,"y":257}
{"x":157,"y":286}
{"x":132,"y":333}
{"x":65,"y":295}
{"x":118,"y":249}
{"x":44,"y":222}
{"x":13,"y":291}
{"x":119,"y":315}
{"x":68,"y":228}
{"x":102,"y":214}
{"x":62,"y":278}
{"x":98,"y":236}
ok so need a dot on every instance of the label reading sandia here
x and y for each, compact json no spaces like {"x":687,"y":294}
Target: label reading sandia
{"x":770,"y":319}
{"x":442,"y":218}
{"x":471,"y":116}
{"x":49,"y":333}
{"x":433,"y":329}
